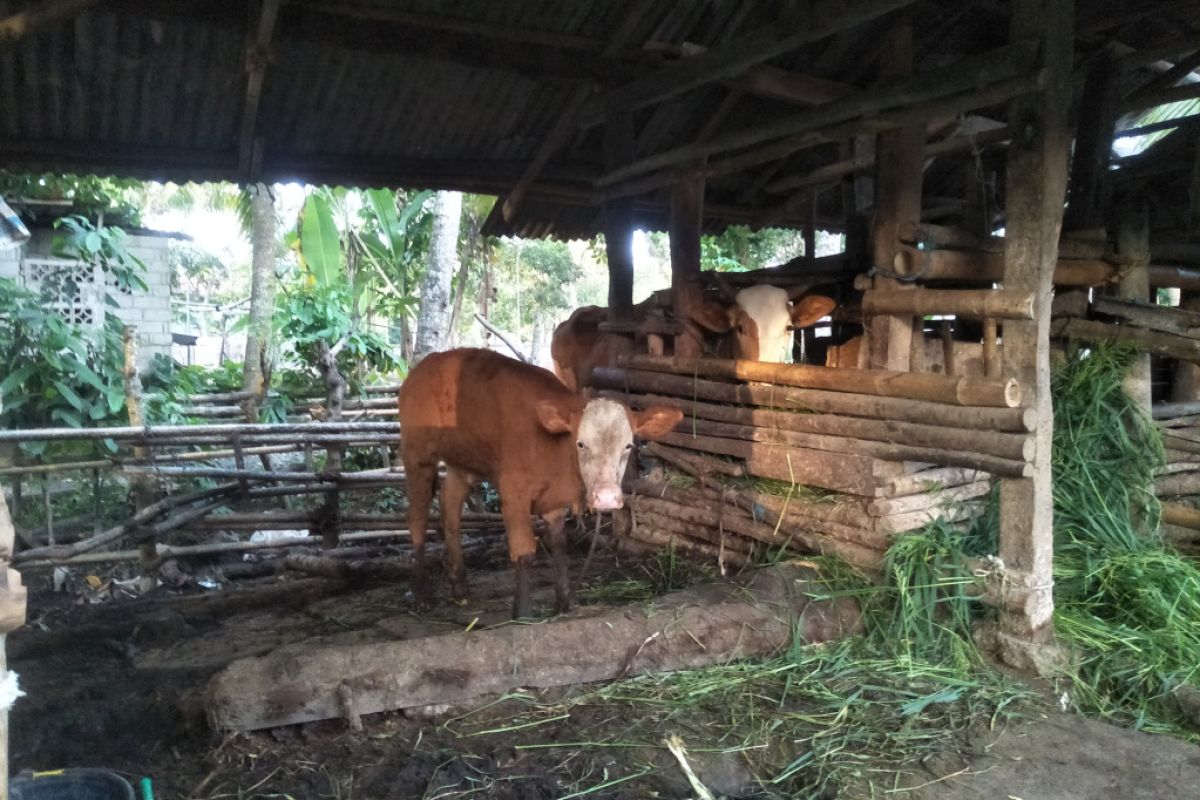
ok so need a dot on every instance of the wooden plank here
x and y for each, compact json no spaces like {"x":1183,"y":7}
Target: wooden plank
{"x":827,"y":17}
{"x":970,"y":75}
{"x":1037,"y":183}
{"x":685,"y":630}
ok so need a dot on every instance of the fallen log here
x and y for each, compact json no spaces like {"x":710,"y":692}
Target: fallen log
{"x":816,"y":400}
{"x":998,"y":393}
{"x":685,"y":630}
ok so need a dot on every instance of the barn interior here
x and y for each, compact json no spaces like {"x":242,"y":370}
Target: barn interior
{"x":964,"y":149}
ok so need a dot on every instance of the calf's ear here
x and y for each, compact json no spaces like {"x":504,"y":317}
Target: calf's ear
{"x":656,"y":421}
{"x":553,"y":417}
{"x":713,"y":315}
{"x":810,"y":309}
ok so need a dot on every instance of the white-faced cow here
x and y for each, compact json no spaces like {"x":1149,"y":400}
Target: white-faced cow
{"x":757,"y":322}
{"x":543,"y":446}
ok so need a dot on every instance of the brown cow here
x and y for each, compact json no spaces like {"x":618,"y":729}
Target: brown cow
{"x":545,"y":447}
{"x":760,"y":318}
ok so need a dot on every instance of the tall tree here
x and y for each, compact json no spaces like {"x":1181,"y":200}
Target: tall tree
{"x":433,"y":319}
{"x":263,"y":237}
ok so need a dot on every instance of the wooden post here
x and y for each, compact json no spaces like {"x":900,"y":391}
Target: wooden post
{"x":1133,"y":243}
{"x":1187,"y":375}
{"x":12,"y":616}
{"x":687,"y":213}
{"x":143,"y":484}
{"x":618,"y":221}
{"x":329,"y":517}
{"x":1036,"y":187}
{"x":1090,"y":184}
{"x":991,"y":353}
{"x":898,"y":172}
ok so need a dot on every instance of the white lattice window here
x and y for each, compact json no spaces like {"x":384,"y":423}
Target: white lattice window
{"x":75,"y":290}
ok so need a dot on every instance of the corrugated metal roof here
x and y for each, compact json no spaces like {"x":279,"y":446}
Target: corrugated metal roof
{"x":425,"y":93}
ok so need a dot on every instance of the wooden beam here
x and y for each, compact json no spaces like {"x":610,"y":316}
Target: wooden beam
{"x":1036,"y":188}
{"x":827,"y":18}
{"x":44,"y":15}
{"x":968,"y":77}
{"x":1090,"y":185}
{"x":257,"y":57}
{"x":1171,"y":77}
{"x":774,"y":151}
{"x":899,"y":161}
{"x":565,"y":126}
{"x":1167,"y":51}
{"x":1133,"y":244}
{"x":1154,"y":127}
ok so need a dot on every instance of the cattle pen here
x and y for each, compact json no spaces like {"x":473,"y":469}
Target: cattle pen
{"x":991,"y":234}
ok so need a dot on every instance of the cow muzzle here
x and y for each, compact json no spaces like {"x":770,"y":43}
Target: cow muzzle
{"x":607,"y":498}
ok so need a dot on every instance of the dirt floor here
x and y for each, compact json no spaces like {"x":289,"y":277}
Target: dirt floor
{"x":118,"y":684}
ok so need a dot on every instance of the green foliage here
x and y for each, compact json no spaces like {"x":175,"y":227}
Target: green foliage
{"x":323,"y":314}
{"x":533,"y":279}
{"x":118,"y":199}
{"x":196,"y":271}
{"x":1129,"y":606}
{"x":103,"y":246}
{"x":739,"y":248}
{"x":55,"y":373}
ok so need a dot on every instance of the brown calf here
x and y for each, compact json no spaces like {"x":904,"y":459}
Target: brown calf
{"x":543,"y":446}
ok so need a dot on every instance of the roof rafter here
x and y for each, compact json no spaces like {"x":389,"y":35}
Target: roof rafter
{"x":257,"y":57}
{"x":827,"y":18}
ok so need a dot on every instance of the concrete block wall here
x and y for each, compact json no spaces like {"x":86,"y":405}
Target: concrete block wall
{"x":149,"y":310}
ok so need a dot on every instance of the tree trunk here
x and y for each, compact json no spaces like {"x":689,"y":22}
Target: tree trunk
{"x":434,"y":316}
{"x":472,"y":250}
{"x":537,"y":340}
{"x":262,"y":292}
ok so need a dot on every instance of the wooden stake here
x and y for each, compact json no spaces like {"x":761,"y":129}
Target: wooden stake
{"x":144,"y":485}
{"x":1133,"y":243}
{"x":687,"y":212}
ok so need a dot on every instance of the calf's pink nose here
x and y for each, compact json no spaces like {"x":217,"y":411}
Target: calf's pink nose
{"x":607,"y":498}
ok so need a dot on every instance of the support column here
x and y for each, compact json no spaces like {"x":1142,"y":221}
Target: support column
{"x":618,"y":220}
{"x":687,"y":214}
{"x":1133,"y":243}
{"x":1187,"y":375}
{"x":1036,"y":187}
{"x":898,"y":171}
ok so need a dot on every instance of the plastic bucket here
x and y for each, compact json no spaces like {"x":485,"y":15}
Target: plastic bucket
{"x":70,"y":784}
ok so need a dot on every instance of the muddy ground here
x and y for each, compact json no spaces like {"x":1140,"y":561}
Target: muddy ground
{"x":118,"y":684}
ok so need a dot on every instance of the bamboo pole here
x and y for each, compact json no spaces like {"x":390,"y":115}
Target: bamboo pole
{"x":976,"y":304}
{"x":264,"y":475}
{"x":817,"y":400}
{"x":166,"y":432}
{"x":144,"y":486}
{"x":1005,"y":445}
{"x":912,"y":386}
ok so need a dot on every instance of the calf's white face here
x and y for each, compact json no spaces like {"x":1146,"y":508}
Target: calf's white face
{"x":603,"y":436}
{"x":762,"y":319}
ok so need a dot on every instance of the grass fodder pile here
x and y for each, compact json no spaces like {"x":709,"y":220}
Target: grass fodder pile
{"x":1129,"y":606}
